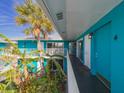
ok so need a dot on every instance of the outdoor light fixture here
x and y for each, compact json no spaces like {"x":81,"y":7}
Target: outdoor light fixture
{"x":90,"y":35}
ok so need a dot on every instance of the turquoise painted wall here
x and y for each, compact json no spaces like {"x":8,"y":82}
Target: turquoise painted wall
{"x":102,"y":46}
{"x":116,"y":18}
{"x":117,"y":50}
{"x":93,"y":63}
{"x":27,"y":45}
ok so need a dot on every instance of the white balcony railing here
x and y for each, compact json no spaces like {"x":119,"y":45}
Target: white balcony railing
{"x":72,"y":83}
{"x":53,"y":51}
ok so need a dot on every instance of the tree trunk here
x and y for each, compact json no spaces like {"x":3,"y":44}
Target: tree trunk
{"x":45,"y":35}
{"x":25,"y":71}
{"x":39,"y":46}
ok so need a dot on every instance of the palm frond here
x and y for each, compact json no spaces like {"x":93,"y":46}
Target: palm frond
{"x":21,"y":20}
{"x":36,"y":52}
{"x":31,"y":13}
{"x":28,"y":31}
{"x":7,"y":40}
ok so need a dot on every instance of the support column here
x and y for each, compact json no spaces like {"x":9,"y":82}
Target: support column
{"x":77,"y":48}
{"x":66,"y":48}
{"x":82,"y":47}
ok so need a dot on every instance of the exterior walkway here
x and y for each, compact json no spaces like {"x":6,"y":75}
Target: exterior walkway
{"x":87,"y":83}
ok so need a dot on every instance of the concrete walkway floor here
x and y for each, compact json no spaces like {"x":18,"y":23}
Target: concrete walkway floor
{"x":87,"y":83}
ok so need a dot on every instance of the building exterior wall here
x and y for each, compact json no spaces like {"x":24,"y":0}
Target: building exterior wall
{"x":27,"y":45}
{"x":117,"y":50}
{"x":30,"y":45}
{"x":116,"y":19}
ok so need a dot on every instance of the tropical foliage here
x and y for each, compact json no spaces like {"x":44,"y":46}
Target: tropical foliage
{"x":20,"y":77}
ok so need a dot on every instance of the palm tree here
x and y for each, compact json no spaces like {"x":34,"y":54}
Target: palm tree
{"x":39,"y":25}
{"x":49,"y":84}
{"x":12,"y":53}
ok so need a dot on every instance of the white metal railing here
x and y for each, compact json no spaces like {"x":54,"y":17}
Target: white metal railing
{"x":72,"y":83}
{"x":53,"y":51}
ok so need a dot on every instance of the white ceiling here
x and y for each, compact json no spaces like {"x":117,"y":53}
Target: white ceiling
{"x":79,"y":15}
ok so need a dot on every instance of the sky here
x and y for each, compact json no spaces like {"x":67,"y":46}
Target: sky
{"x":8,"y":25}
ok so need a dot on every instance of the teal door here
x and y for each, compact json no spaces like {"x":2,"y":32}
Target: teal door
{"x":102,"y":50}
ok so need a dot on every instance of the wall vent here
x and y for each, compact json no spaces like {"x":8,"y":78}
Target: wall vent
{"x":59,"y":16}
